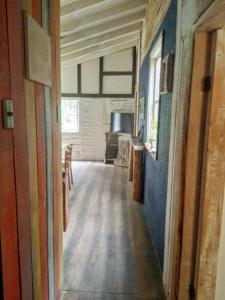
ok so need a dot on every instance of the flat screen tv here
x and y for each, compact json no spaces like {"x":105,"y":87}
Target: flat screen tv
{"x":122,"y":122}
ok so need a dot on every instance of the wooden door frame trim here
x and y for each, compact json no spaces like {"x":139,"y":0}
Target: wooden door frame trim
{"x":212,"y":191}
{"x":180,"y":108}
{"x":193,"y":165}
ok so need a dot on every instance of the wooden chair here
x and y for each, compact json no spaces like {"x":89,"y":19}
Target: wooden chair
{"x":68,"y":158}
{"x":65,"y":198}
{"x":67,"y":181}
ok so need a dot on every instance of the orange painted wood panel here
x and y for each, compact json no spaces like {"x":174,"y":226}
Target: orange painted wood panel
{"x":16,"y":59}
{"x":8,"y":214}
{"x":41,"y":164}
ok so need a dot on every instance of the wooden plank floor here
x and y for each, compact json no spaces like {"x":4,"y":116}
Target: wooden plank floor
{"x":108,"y":253}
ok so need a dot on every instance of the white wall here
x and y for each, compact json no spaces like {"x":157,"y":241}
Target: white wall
{"x":118,"y":62}
{"x":95,"y":114}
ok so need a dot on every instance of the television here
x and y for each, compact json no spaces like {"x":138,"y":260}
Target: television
{"x":122,"y":122}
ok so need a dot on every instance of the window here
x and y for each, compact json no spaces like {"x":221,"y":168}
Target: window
{"x":70,"y":115}
{"x":154,"y":97}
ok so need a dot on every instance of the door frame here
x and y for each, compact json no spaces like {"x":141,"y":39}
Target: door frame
{"x":192,"y":17}
{"x":201,"y":200}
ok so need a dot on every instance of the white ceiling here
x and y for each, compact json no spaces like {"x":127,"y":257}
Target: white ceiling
{"x":93,"y":28}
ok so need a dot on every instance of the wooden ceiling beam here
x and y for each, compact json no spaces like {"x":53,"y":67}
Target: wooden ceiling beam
{"x":127,"y":33}
{"x":77,"y":6}
{"x":123,"y":22}
{"x":104,"y":16}
{"x":97,"y":51}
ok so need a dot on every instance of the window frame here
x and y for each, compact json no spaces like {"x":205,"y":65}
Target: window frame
{"x":78,"y":115}
{"x":155,"y":58}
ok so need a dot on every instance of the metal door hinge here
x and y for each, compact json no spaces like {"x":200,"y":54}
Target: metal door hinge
{"x":8,"y":121}
{"x":206,"y":84}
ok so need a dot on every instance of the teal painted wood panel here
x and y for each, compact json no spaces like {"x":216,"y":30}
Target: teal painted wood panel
{"x":50,"y":190}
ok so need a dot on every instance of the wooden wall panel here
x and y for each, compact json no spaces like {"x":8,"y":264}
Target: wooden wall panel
{"x":41,"y":160}
{"x":214,"y":176}
{"x":8,"y":227}
{"x":33,"y":186}
{"x":49,"y":163}
{"x":50,"y":191}
{"x":194,"y":162}
{"x":56,"y":99}
{"x":16,"y":58}
{"x":37,"y":175}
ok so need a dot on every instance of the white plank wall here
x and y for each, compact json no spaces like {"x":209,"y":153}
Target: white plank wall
{"x":95,"y":114}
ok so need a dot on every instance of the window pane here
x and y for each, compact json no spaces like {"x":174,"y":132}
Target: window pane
{"x":157,"y":78}
{"x":70,"y":115}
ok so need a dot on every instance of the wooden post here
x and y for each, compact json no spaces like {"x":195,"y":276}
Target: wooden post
{"x":214,"y":177}
{"x":193,"y":168}
{"x":137,"y":172}
{"x":130,"y":164}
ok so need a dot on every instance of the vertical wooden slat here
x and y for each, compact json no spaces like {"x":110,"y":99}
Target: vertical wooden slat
{"x":16,"y":59}
{"x":49,"y":166}
{"x":33,"y":177}
{"x":214,"y":177}
{"x":33,"y":186}
{"x":41,"y":163}
{"x":56,"y":94}
{"x":193,"y":168}
{"x":50,"y":191}
{"x":40,"y":121}
{"x":9,"y":259}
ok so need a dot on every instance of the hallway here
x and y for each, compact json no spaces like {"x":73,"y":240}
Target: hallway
{"x":108,"y":253}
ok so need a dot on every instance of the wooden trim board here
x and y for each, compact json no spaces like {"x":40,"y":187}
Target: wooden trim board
{"x":214,"y":178}
{"x":174,"y":214}
{"x":193,"y":169}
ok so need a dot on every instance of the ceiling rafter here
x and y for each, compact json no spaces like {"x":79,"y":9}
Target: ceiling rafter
{"x":94,"y":28}
{"x":100,"y":53}
{"x":104,"y":16}
{"x":108,"y":27}
{"x":77,"y":6}
{"x":132,"y":30}
{"x":98,"y":48}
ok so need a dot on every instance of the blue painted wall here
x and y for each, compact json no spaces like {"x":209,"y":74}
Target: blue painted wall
{"x":155,"y":187}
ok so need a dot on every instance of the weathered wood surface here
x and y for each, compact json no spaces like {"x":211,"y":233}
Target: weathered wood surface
{"x":56,"y":139}
{"x":193,"y":167}
{"x":41,"y":164}
{"x":50,"y":191}
{"x":122,"y":159}
{"x":130,"y":164}
{"x":213,"y":17}
{"x":9,"y":265}
{"x":107,"y":246}
{"x":214,"y":176}
{"x":137,"y":174}
{"x":154,"y":16}
{"x":16,"y":59}
{"x":33,"y":186}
